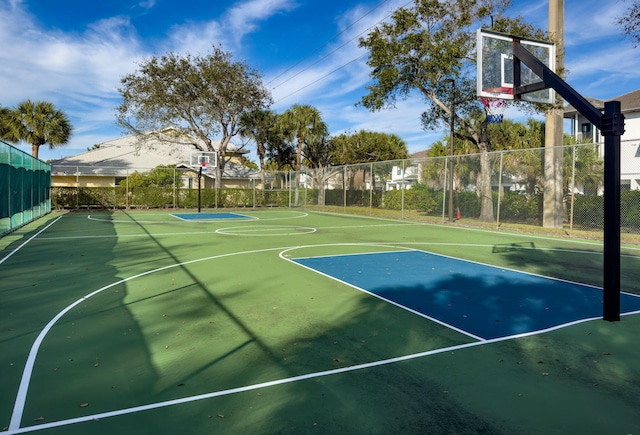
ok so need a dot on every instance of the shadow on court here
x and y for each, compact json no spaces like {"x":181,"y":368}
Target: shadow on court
{"x":83,"y":358}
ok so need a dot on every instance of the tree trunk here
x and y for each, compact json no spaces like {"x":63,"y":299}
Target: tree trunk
{"x":320,"y":185}
{"x":34,"y":150}
{"x":261,"y":154}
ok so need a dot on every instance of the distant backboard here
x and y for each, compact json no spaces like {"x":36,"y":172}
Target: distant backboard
{"x":203,"y":159}
{"x":496,"y":67}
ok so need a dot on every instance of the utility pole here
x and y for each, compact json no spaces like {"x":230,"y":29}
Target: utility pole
{"x":553,"y":214}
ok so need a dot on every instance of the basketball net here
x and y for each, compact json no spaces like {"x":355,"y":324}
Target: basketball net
{"x":494,"y":106}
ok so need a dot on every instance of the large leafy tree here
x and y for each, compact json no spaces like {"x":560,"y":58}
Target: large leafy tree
{"x":37,"y":123}
{"x":426,"y":47}
{"x":630,"y":22}
{"x":199,"y":97}
{"x":366,"y":146}
{"x":160,"y":176}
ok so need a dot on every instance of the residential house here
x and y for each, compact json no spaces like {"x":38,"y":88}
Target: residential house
{"x":108,"y":163}
{"x":582,"y":129}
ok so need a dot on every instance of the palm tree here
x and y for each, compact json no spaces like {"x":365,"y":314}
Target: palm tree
{"x":305,"y":124}
{"x":4,"y":114}
{"x":257,"y":125}
{"x":37,"y":123}
{"x":303,"y":121}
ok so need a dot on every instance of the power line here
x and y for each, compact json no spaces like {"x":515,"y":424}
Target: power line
{"x":321,"y":78}
{"x":321,"y":59}
{"x":323,"y":45}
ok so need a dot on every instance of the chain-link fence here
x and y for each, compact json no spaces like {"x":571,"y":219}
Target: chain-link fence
{"x":24,"y":188}
{"x":498,"y":189}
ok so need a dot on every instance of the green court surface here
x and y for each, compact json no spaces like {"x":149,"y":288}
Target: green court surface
{"x":141,"y":323}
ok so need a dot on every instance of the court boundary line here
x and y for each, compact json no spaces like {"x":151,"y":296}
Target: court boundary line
{"x":319,"y":374}
{"x":254,"y":229}
{"x":18,"y":411}
{"x":240,"y":217}
{"x":482,"y":230}
{"x":302,"y":214}
{"x":18,"y":429}
{"x":23,"y":388}
{"x":29,"y":240}
{"x":425,"y":316}
{"x":402,"y":248}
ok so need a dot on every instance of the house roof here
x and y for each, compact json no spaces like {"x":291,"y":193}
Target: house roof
{"x":124,"y":155}
{"x":419,"y":154}
{"x":231,"y":170}
{"x":630,"y":102}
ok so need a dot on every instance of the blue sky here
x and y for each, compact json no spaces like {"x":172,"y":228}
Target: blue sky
{"x":74,"y":53}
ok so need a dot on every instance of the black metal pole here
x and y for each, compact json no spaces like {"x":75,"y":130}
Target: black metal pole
{"x":199,"y":188}
{"x":612,"y":129}
{"x":611,"y":124}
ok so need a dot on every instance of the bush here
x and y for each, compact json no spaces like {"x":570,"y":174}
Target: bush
{"x":588,"y":211}
{"x":468,"y":203}
{"x":519,"y":208}
{"x":419,"y":197}
{"x":630,"y":209}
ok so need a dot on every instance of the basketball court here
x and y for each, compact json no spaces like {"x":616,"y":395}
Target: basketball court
{"x":144,"y":320}
{"x":118,"y":322}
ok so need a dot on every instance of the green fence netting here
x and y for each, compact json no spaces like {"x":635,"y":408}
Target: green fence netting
{"x":25,"y":184}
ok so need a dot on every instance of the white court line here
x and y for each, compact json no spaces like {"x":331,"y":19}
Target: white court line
{"x":285,"y":380}
{"x":18,"y":410}
{"x":133,"y":221}
{"x":266,"y":231}
{"x":483,"y":230}
{"x":30,"y":239}
{"x":426,"y":316}
{"x":21,"y":396}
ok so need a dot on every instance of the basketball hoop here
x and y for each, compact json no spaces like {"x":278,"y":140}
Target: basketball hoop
{"x":495,"y":106}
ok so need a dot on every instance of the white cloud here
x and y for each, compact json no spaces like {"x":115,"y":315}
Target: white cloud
{"x":243,"y":18}
{"x":229,"y":29}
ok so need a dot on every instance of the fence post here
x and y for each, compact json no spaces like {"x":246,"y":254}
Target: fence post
{"x":371,"y":189}
{"x":344,"y":188}
{"x":573,"y":189}
{"x":126,"y":193}
{"x":289,"y":183}
{"x":77,"y":188}
{"x":402,"y":192}
{"x":499,"y":192}
{"x":175,"y":186}
{"x":444,"y":185}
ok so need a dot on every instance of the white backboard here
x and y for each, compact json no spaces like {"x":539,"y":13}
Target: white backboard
{"x":496,"y":66}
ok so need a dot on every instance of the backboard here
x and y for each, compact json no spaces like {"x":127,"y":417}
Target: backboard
{"x":203,"y":159}
{"x":496,"y":67}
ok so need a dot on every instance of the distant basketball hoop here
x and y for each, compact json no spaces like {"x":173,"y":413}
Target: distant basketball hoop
{"x":200,"y":160}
